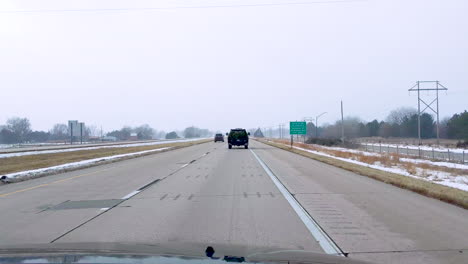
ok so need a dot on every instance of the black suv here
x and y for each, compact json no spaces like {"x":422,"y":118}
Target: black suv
{"x":238,"y":137}
{"x":219,"y":137}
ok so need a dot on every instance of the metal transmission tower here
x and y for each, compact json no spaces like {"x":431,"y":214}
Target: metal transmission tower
{"x":438,"y":87}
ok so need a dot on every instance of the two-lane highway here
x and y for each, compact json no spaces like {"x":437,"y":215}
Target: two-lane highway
{"x":209,"y":194}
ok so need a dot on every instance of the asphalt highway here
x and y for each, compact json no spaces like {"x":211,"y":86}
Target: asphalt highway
{"x":261,"y":197}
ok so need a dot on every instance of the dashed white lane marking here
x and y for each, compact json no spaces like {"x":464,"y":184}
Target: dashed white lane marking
{"x":327,"y":244}
{"x":105,"y":208}
{"x":128,"y":196}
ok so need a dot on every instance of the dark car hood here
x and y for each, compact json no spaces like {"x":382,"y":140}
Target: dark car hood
{"x":157,"y":253}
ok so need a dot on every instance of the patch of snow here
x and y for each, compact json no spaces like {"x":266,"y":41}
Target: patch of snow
{"x":366,"y":153}
{"x":422,"y":147}
{"x":39,"y":152}
{"x":73,"y":165}
{"x":437,"y":177}
{"x":443,"y":178}
{"x":438,"y":163}
{"x":412,"y":160}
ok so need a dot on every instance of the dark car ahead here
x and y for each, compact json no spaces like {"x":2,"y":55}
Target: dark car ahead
{"x":219,"y":137}
{"x":238,"y":137}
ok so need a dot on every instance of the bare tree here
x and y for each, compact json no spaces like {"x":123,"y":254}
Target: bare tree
{"x":398,"y":115}
{"x":144,"y":132}
{"x":19,"y":126}
{"x":59,"y":131}
{"x":93,"y":131}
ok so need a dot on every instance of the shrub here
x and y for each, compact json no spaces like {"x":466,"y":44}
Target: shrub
{"x":172,"y":135}
{"x":324,"y":141}
{"x":462,"y":144}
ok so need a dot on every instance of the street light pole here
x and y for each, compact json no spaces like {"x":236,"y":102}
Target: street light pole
{"x":316,"y":123}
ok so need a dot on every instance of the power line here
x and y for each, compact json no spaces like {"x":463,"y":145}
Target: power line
{"x":178,"y":7}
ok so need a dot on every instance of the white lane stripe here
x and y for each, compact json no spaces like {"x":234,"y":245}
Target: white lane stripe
{"x":317,"y":232}
{"x":105,"y":208}
{"x":185,"y":165}
{"x":130,"y":195}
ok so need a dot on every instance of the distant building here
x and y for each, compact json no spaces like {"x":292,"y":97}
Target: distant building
{"x":133,"y":136}
{"x":109,"y":138}
{"x":94,"y":139}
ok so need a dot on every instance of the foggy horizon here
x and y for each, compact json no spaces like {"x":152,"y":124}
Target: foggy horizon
{"x":227,"y":67}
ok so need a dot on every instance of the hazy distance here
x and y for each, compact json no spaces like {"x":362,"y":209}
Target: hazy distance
{"x":224,"y":67}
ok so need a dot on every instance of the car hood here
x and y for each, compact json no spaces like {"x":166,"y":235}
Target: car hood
{"x":160,"y":253}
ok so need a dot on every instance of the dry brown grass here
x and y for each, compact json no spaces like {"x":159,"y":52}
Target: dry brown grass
{"x":386,"y":159}
{"x":429,"y":189}
{"x":30,"y":162}
{"x":410,"y":168}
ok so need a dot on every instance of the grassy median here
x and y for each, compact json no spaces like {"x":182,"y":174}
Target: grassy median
{"x":31,"y":162}
{"x":429,"y":189}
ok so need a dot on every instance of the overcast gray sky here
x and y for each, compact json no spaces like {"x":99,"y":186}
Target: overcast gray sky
{"x":224,"y":67}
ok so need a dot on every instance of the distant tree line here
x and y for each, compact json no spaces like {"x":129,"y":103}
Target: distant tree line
{"x":146,"y":132}
{"x":195,"y":132}
{"x":142,"y":132}
{"x":402,"y":122}
{"x":18,"y":130}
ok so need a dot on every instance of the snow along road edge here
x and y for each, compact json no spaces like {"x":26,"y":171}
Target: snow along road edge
{"x":23,"y":175}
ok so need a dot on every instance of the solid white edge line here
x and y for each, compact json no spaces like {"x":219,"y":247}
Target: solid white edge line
{"x":130,"y":195}
{"x":317,"y":232}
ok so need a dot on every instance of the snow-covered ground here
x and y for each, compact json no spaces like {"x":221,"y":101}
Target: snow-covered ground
{"x":422,"y":147}
{"x":438,"y":177}
{"x":435,"y":163}
{"x":72,"y":165}
{"x":16,"y":146}
{"x":39,"y":152}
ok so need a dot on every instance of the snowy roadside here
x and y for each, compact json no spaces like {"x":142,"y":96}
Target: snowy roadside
{"x":435,"y":176}
{"x":22,"y":175}
{"x":39,"y":152}
{"x":413,"y":160}
{"x":413,"y":147}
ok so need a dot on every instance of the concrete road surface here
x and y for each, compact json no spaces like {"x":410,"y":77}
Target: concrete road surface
{"x":209,"y":194}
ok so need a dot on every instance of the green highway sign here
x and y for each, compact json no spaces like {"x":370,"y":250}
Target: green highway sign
{"x":297,"y":128}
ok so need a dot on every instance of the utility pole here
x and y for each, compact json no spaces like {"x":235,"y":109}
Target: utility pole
{"x":297,"y":136}
{"x":81,"y":133}
{"x":342,"y":123}
{"x":437,"y":87}
{"x":71,"y":133}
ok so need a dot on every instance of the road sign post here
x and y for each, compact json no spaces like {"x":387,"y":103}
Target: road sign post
{"x":297,"y":128}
